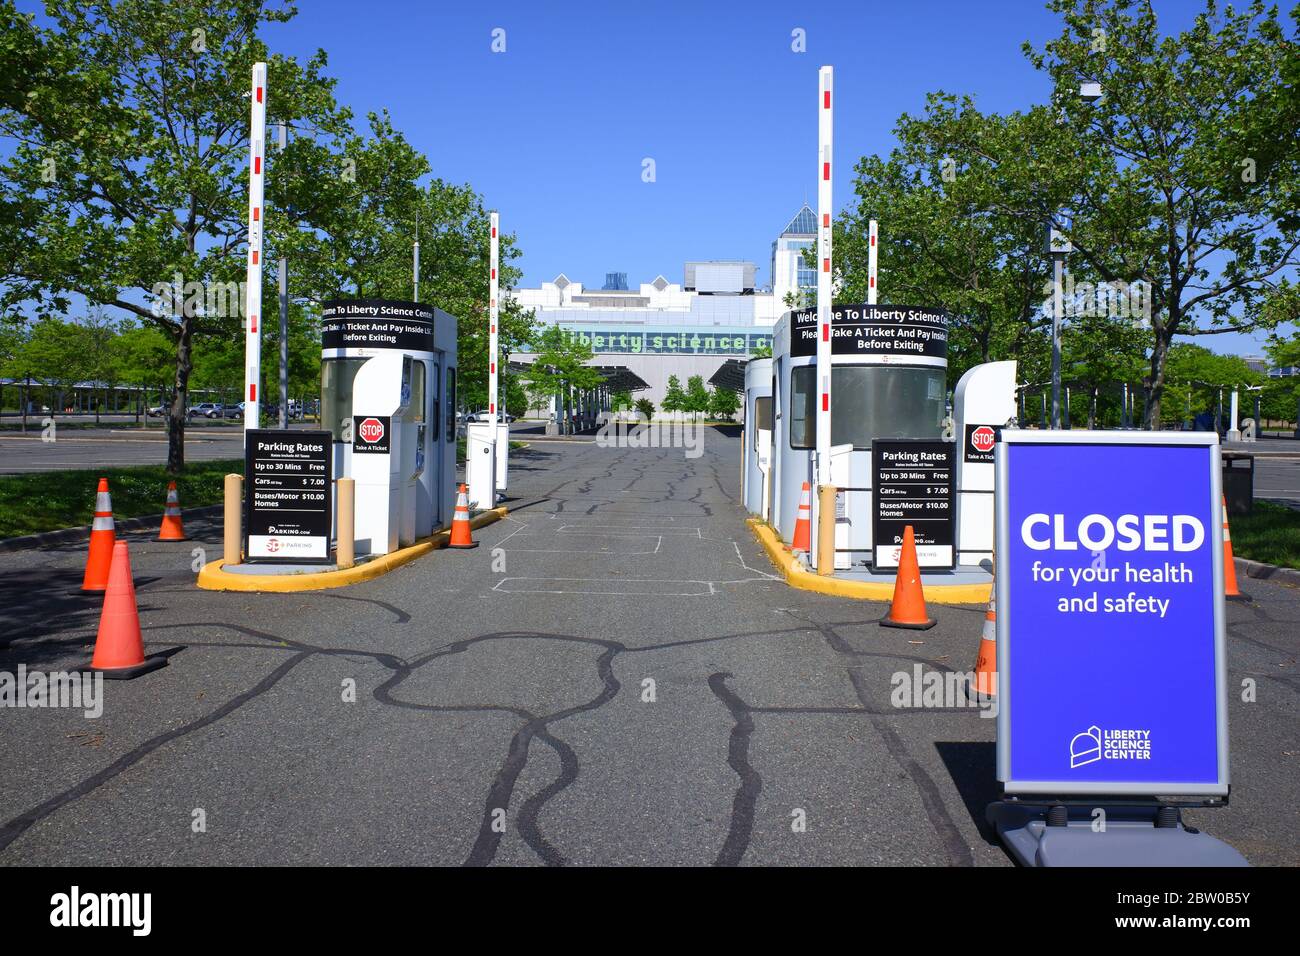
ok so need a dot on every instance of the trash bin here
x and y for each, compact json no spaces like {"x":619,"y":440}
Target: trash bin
{"x":1239,"y":482}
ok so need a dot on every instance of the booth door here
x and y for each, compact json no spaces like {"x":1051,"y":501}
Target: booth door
{"x":433,"y":457}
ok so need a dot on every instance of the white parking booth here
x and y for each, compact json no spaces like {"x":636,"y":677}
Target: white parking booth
{"x":894,"y":449}
{"x":388,"y":398}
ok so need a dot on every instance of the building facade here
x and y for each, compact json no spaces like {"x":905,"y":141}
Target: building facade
{"x":692,"y":327}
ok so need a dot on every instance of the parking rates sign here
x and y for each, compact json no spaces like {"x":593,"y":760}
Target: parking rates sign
{"x":1110,"y":640}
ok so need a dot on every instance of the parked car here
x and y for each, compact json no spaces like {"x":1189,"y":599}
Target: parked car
{"x":206,"y":410}
{"x":233,"y":411}
{"x":157,"y":411}
{"x":482,"y":415}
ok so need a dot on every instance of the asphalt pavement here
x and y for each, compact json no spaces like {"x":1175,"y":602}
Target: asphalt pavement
{"x":614,"y":676}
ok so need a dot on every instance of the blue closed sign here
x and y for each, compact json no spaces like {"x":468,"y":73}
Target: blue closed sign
{"x":1110,"y":614}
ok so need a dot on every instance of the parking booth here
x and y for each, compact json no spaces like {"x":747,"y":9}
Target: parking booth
{"x":388,"y":398}
{"x":891,"y":435}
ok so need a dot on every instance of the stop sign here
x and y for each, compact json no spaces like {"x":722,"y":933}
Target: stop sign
{"x":371,"y":430}
{"x":982,"y":438}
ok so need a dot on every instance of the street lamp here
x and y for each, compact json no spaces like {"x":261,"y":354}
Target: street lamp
{"x":1089,"y":91}
{"x":1058,"y":245}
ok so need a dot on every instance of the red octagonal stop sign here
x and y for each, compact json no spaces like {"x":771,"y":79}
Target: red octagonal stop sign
{"x":371,"y":430}
{"x":983,"y":438}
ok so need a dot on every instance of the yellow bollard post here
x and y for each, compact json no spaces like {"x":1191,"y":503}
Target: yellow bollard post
{"x":234,"y":519}
{"x":826,"y":529}
{"x":345,"y":551}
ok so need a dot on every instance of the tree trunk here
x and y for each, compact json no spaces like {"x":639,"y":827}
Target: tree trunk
{"x":180,"y":395}
{"x":1159,"y":359}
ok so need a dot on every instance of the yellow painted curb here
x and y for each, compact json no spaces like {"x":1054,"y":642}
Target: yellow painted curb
{"x":796,"y":576}
{"x":213,"y":578}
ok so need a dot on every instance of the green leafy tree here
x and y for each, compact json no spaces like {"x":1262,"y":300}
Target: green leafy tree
{"x":1196,"y":376}
{"x":145,"y":358}
{"x":1185,"y":172}
{"x":723,"y":403}
{"x":560,"y":368}
{"x":645,"y":408}
{"x":59,"y":354}
{"x":697,"y":395}
{"x":946,"y":240}
{"x":143,"y":108}
{"x":674,"y":397}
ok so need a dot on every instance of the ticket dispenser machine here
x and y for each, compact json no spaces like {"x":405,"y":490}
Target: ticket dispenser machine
{"x":758,"y":436}
{"x":383,"y":454}
{"x":984,"y":402}
{"x":480,"y":466}
{"x":388,"y":395}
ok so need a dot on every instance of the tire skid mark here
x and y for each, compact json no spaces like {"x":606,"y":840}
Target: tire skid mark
{"x":501,"y":791}
{"x":19,"y":825}
{"x":741,"y":827}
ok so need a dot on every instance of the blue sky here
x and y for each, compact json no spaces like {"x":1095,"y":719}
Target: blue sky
{"x":553,"y":131}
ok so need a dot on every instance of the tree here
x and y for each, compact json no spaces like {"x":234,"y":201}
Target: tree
{"x":621,"y":399}
{"x":645,"y":408}
{"x":723,"y":403}
{"x":57,"y":353}
{"x":140,"y":112}
{"x":1185,"y":172}
{"x":560,"y":368}
{"x":144,"y":357}
{"x":697,"y":396}
{"x":944,"y":240}
{"x":1195,"y":377}
{"x":674,"y":398}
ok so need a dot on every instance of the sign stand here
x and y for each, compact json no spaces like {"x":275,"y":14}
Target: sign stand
{"x":1134,"y":835}
{"x":1112,"y":681}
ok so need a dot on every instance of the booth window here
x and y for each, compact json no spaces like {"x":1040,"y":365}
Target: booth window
{"x":435,"y":391}
{"x":451,"y":404}
{"x":336,"y":378}
{"x":762,"y":415}
{"x":416,"y":408}
{"x":871,"y":401}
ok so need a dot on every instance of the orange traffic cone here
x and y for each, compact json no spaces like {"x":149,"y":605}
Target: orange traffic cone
{"x":803,"y":522}
{"x":1230,"y":589}
{"x":119,"y":648}
{"x":100,"y":556}
{"x":908,"y":609}
{"x":460,"y":536}
{"x":172,"y":529}
{"x":985,"y":684}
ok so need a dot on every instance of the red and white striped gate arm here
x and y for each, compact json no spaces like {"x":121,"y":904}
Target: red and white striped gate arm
{"x":825,"y":131}
{"x":871,"y":263}
{"x":493,"y":340}
{"x":256,"y":228}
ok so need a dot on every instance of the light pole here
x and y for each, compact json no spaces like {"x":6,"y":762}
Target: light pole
{"x":1058,"y":245}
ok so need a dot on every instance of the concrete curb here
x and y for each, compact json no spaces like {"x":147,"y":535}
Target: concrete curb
{"x":1260,"y":571}
{"x":213,"y":578}
{"x":795,"y":576}
{"x":47,"y":539}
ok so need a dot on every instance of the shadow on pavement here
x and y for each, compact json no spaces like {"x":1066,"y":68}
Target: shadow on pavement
{"x":973,"y":768}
